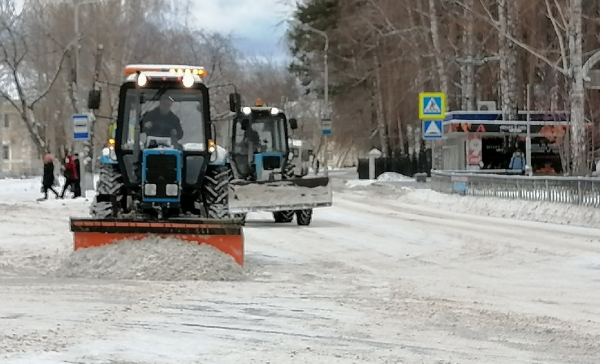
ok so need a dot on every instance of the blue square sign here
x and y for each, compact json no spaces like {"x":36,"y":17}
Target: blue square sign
{"x":81,"y":130}
{"x":326,"y":125}
{"x":433,"y":129}
{"x":432,"y":106}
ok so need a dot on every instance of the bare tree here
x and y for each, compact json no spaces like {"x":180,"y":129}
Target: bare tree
{"x":20,"y":88}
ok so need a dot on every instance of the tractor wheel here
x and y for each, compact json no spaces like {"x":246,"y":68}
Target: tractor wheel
{"x":304,"y":217}
{"x":242,"y":217}
{"x":215,"y":192}
{"x":109,"y":193}
{"x":283,"y":216}
{"x":286,"y":215}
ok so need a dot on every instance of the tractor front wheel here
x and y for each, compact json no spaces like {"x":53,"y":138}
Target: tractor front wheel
{"x":215,"y":192}
{"x":110,"y":198}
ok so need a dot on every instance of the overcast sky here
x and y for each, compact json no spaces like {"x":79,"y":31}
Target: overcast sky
{"x":253,"y":23}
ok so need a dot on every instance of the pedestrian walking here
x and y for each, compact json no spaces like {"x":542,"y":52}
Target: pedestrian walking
{"x":48,"y":177}
{"x":70,"y":175}
{"x":77,"y":181}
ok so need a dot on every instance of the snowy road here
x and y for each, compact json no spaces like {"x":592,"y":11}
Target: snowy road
{"x":372,"y":280}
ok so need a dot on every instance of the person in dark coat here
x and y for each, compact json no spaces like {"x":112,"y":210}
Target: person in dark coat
{"x":161,"y":121}
{"x":77,"y":181}
{"x":70,"y":175}
{"x":48,"y":178}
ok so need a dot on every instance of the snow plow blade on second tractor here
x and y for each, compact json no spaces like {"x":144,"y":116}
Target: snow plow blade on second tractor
{"x":292,"y":194}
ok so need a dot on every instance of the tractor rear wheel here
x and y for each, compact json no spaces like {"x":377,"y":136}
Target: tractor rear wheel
{"x":283,"y":216}
{"x":286,"y":215}
{"x":215,"y":192}
{"x":304,"y":217}
{"x":109,"y":199}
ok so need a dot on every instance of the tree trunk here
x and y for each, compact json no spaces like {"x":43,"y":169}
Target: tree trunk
{"x":468,"y":70}
{"x":577,"y":90}
{"x":437,"y":46}
{"x":401,"y":139}
{"x":34,"y":131}
{"x":379,"y":109}
{"x":507,"y":18}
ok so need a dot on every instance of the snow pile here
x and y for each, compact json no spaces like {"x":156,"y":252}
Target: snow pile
{"x":384,"y":177}
{"x":359,"y":183}
{"x":394,"y":177}
{"x":541,"y":211}
{"x":160,"y":259}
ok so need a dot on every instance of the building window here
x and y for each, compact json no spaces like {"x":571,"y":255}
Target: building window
{"x":6,"y":152}
{"x":7,"y":120}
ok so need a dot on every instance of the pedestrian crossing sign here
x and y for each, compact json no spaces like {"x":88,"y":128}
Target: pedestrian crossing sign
{"x":432,"y":129}
{"x":432,"y":106}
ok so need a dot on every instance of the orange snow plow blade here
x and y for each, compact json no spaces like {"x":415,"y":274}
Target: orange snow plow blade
{"x":225,"y":235}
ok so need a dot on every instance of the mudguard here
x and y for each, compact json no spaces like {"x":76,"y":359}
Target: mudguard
{"x":282,"y":195}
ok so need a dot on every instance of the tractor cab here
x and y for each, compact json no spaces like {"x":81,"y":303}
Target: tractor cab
{"x":163,"y":130}
{"x":302,"y":156}
{"x":260,"y":142}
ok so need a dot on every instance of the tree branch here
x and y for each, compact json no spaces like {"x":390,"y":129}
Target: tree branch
{"x":517,"y":42}
{"x":56,"y":74}
{"x":559,"y":36}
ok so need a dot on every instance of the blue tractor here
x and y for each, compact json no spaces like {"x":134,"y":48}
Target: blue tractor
{"x":163,"y":174}
{"x":263,"y":177}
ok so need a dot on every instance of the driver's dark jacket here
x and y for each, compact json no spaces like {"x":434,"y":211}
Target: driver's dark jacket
{"x":162,"y":124}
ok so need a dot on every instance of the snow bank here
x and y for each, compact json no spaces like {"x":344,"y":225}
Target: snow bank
{"x":384,"y":177}
{"x":541,"y":211}
{"x":151,"y":259}
{"x":394,"y":177}
{"x":359,"y":183}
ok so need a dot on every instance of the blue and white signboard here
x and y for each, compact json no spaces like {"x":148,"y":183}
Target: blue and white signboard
{"x":432,"y":106}
{"x":432,"y":129}
{"x":326,"y":126}
{"x":81,"y":126}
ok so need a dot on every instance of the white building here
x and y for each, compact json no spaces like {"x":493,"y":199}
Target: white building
{"x":19,"y":154}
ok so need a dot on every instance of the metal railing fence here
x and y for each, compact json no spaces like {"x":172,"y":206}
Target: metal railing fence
{"x":583,"y":191}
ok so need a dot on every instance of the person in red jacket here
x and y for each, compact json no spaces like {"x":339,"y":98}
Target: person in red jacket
{"x":70,"y":175}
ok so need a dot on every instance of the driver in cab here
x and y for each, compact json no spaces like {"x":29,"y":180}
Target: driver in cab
{"x":161,"y":121}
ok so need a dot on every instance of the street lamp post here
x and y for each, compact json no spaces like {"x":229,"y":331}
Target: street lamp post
{"x":326,"y":114}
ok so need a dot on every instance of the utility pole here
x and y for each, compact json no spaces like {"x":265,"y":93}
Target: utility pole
{"x":528,"y":166}
{"x":89,"y":145}
{"x":326,"y":114}
{"x":84,"y":149}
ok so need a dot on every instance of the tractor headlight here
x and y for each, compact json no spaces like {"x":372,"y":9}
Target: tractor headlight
{"x":150,"y":189}
{"x":188,"y":80}
{"x":274,"y":111}
{"x":172,"y":189}
{"x":246,"y":110}
{"x":142,"y":80}
{"x":105,"y":152}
